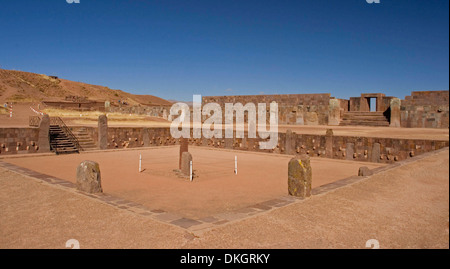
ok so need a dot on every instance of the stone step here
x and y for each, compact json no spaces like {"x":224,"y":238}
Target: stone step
{"x":377,"y":118}
{"x":363,"y":113}
{"x":364,"y":123}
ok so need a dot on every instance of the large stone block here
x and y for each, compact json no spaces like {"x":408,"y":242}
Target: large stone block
{"x":299,"y":176}
{"x":89,"y":177}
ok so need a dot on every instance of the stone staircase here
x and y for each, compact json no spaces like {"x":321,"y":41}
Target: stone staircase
{"x":60,"y":143}
{"x":354,"y":118}
{"x":84,"y":139}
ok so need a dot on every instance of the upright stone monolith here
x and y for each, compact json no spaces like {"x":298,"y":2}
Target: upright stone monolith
{"x":349,"y":151}
{"x":299,"y":176}
{"x":184,"y":147}
{"x":102,"y":132}
{"x":329,"y":143}
{"x":334,"y":112}
{"x":376,"y":151}
{"x":395,"y":112}
{"x":186,"y":159}
{"x":89,"y":177}
{"x":146,"y":137}
{"x":290,"y":142}
{"x":44,"y":134}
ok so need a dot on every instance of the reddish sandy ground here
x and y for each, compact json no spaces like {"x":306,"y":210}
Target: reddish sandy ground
{"x":215,"y":188}
{"x":405,"y":207}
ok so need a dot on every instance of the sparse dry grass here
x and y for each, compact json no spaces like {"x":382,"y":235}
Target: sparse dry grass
{"x":91,"y":117}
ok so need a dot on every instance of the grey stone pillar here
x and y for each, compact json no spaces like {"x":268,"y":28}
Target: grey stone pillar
{"x":102,"y":132}
{"x":329,"y":143}
{"x":299,"y":176}
{"x":89,"y":177}
{"x":334,"y":112}
{"x":376,"y":151}
{"x":44,"y":134}
{"x":395,"y":112}
{"x":349,"y":151}
{"x":186,"y":158}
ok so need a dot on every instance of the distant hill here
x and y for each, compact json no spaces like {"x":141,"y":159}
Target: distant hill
{"x":19,"y":86}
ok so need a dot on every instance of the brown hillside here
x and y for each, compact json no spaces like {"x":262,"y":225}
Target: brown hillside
{"x":19,"y":86}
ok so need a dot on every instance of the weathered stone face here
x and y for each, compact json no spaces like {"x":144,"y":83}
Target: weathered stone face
{"x":364,"y":171}
{"x":299,"y":177}
{"x":186,"y":158}
{"x":89,"y":177}
{"x":102,"y":132}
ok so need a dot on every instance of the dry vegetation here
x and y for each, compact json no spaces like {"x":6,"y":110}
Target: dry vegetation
{"x":91,"y":117}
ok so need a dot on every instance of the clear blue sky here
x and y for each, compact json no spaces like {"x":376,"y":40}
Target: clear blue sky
{"x":173,"y":49}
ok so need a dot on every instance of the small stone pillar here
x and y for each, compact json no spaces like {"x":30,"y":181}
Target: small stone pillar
{"x":88,"y":177}
{"x":289,"y":145}
{"x":244,"y":142}
{"x":44,"y":134}
{"x":364,"y":171}
{"x":395,"y":112}
{"x":300,"y":176}
{"x":186,"y":158}
{"x":376,"y":151}
{"x":329,"y":143}
{"x":146,"y":137}
{"x":102,"y":132}
{"x":184,"y":147}
{"x":334,"y":112}
{"x":349,"y":151}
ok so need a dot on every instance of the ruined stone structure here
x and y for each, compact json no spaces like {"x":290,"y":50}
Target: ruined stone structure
{"x":428,"y":109}
{"x":153,"y":111}
{"x":300,"y":109}
{"x":421,"y":110}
